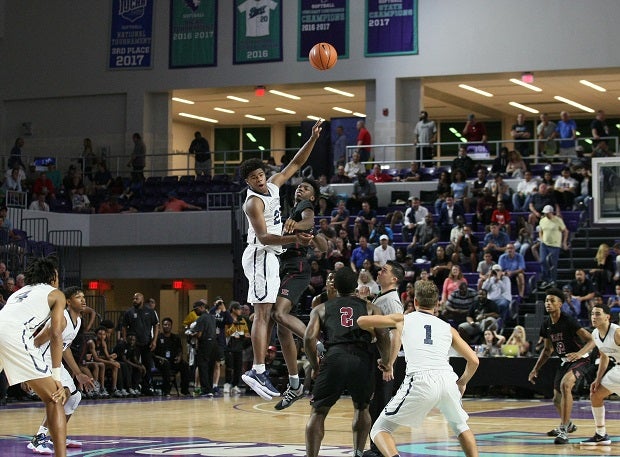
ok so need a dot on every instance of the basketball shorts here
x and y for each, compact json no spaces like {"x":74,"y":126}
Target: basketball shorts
{"x":261,"y":267}
{"x":578,"y":367}
{"x":294,"y":278}
{"x":418,"y":394}
{"x":19,"y":357}
{"x":611,"y":380}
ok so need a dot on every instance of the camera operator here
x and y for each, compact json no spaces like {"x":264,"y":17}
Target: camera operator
{"x":498,"y":290}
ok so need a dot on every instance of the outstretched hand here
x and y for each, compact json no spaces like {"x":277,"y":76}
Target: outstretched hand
{"x":316,"y":128}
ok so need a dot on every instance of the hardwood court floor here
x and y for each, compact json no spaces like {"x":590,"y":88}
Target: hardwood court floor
{"x":248,"y":426}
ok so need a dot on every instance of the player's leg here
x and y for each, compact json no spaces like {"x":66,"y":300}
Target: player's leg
{"x":468,"y":443}
{"x":295,"y":278}
{"x":361,"y":428}
{"x":281,"y":314}
{"x":295,"y":390}
{"x":54,"y":411}
{"x":315,"y":430}
{"x":610,"y":384}
{"x":566,"y":406}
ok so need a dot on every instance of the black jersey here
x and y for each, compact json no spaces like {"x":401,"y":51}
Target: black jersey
{"x":340,"y":324}
{"x":563,"y":334}
{"x":294,"y":249}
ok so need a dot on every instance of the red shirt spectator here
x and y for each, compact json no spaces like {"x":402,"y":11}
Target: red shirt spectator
{"x":43,"y":182}
{"x":378,"y":176}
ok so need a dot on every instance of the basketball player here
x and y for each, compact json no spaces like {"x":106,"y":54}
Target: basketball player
{"x":294,"y":280}
{"x":606,"y":336}
{"x":430,"y":381}
{"x":26,"y":311}
{"x":561,"y":333}
{"x":76,"y":303}
{"x":260,"y":262}
{"x":348,"y":363}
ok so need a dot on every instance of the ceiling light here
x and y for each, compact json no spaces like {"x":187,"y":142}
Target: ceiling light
{"x":239,"y":99}
{"x":200,"y":118}
{"x":575,"y":104}
{"x":527,"y":77}
{"x":224,"y":110}
{"x":314,"y":118}
{"x":287,"y":111}
{"x":338,"y":91}
{"x":523,"y":107}
{"x":182,"y":100}
{"x":251,"y":137}
{"x":526,"y":85}
{"x":359,"y":114}
{"x":477,"y":91}
{"x":585,"y":82}
{"x":342,"y":110}
{"x":258,"y":118}
{"x":284,"y":94}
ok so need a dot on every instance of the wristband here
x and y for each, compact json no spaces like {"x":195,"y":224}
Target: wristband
{"x":56,"y":372}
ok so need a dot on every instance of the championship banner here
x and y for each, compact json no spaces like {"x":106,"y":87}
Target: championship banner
{"x":131,"y":34}
{"x":193,"y":33}
{"x":257,"y":31}
{"x":323,"y":21}
{"x":391,"y":27}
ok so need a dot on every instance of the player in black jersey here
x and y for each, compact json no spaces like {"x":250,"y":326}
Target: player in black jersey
{"x":348,"y":363}
{"x":294,"y":280}
{"x":563,"y":335}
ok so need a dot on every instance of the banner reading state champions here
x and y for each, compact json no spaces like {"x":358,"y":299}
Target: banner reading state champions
{"x":323,"y":21}
{"x":131,"y":34}
{"x":258,"y":31}
{"x":391,"y":27}
{"x":193,"y":33}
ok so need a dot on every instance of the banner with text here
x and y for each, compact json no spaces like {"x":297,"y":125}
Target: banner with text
{"x":391,"y":27}
{"x":193,"y":33}
{"x":131,"y":34}
{"x":323,"y":21}
{"x":258,"y":31}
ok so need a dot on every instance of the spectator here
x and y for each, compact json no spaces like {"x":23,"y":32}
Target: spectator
{"x":599,"y":129}
{"x":584,"y":191}
{"x":378,"y":175}
{"x":548,"y":177}
{"x":222,"y":319}
{"x":327,"y":196}
{"x":72,"y":180}
{"x":513,"y":265}
{"x":13,"y":180}
{"x":500,"y":162}
{"x":339,"y":253}
{"x":525,"y":243}
{"x":15,"y":156}
{"x":565,"y":189}
{"x":380,"y":229}
{"x":571,"y":305}
{"x":501,"y":216}
{"x":603,"y":272}
{"x":539,"y":201}
{"x":516,"y":166}
{"x":495,"y":241}
{"x":169,"y":357}
{"x":458,"y":304}
{"x":39,"y":204}
{"x":466,"y":248}
{"x":447,"y":218}
{"x":340,"y":146}
{"x":363,"y":190}
{"x":614,"y":300}
{"x":500,"y":190}
{"x":478,"y":185}
{"x":383,"y":252}
{"x":521,"y":131}
{"x":545,"y":132}
{"x":137,"y":161}
{"x":482,"y":315}
{"x":492,"y":344}
{"x":134,"y":373}
{"x":354,"y":167}
{"x":413,"y":174}
{"x":526,"y":187}
{"x":365,"y":280}
{"x":485,"y":205}
{"x":414,"y":216}
{"x":365,"y":221}
{"x":361,"y":253}
{"x":206,"y":353}
{"x":474,"y":130}
{"x":424,"y":137}
{"x":174,"y":204}
{"x":441,"y":266}
{"x":553,"y":236}
{"x":498,"y":290}
{"x":451,"y":283}
{"x":583,"y":290}
{"x":443,"y":190}
{"x":460,"y":190}
{"x":518,"y":338}
{"x":202,"y":154}
{"x":80,"y":203}
{"x":43,"y":185}
{"x":340,"y":177}
{"x":363,"y":140}
{"x":238,"y":335}
{"x":455,"y":235}
{"x":425,"y":239}
{"x":98,"y":349}
{"x":566,"y":130}
{"x":340,"y":217}
{"x":463,"y":162}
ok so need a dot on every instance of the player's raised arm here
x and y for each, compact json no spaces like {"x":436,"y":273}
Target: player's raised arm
{"x":378,"y":321}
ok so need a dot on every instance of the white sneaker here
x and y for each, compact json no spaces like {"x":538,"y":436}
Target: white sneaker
{"x":41,"y":444}
{"x":235,"y":391}
{"x":227,"y":388}
{"x":124,"y":393}
{"x":73,"y":443}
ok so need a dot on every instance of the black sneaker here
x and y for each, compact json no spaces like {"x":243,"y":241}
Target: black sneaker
{"x":597,"y":440}
{"x":289,"y":397}
{"x":561,"y":437}
{"x":570,"y":429}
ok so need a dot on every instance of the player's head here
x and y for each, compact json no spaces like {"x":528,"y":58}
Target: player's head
{"x":42,"y":270}
{"x":308,"y":189}
{"x":426,"y":295}
{"x":249,"y":166}
{"x":345,"y":281}
{"x":71,"y":291}
{"x":553,"y":299}
{"x":600,"y":315}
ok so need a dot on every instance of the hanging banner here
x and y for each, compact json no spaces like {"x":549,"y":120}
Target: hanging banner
{"x":257,"y":31}
{"x":193,"y":33}
{"x":323,"y":21}
{"x":131,"y":34}
{"x":391,"y":27}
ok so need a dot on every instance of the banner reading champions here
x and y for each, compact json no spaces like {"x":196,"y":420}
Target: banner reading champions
{"x":391,"y":27}
{"x":258,"y":31}
{"x":193,"y":33}
{"x":131,"y":34}
{"x":323,"y":21}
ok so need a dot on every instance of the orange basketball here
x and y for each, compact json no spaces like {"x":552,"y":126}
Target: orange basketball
{"x":323,"y":56}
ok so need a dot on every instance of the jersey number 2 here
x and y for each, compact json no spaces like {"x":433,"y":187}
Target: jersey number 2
{"x":346,"y":316}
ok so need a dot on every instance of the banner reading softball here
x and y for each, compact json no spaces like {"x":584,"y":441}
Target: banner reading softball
{"x":391,"y":27}
{"x":193,"y":33}
{"x":258,"y":31}
{"x":323,"y":21}
{"x":131,"y":34}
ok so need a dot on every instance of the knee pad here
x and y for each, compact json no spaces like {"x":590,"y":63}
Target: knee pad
{"x":72,"y":403}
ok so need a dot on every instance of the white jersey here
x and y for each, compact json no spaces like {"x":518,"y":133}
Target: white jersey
{"x":27,"y":307}
{"x":608,"y":345}
{"x":426,"y":341}
{"x":257,"y":16}
{"x":68,"y":335}
{"x":272,"y":214}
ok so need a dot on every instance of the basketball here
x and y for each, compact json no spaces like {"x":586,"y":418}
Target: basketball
{"x":323,"y":56}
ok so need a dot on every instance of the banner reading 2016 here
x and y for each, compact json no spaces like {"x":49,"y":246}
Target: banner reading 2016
{"x":131,"y":34}
{"x":323,"y":20}
{"x":391,"y":27}
{"x":193,"y":33}
{"x":258,"y":31}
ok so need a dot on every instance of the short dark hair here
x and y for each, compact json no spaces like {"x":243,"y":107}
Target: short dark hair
{"x":605,"y":308}
{"x":42,"y":270}
{"x":71,"y":291}
{"x":166,"y":319}
{"x":249,"y":166}
{"x":556,"y":292}
{"x":345,"y":281}
{"x":106,"y":324}
{"x":315,"y":187}
{"x":397,"y":270}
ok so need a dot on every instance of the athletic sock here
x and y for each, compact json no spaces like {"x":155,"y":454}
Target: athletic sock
{"x":599,"y":418}
{"x":260,"y":369}
{"x":293,"y":381}
{"x":43,"y":430}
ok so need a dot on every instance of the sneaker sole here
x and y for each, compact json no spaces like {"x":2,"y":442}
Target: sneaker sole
{"x":271,"y":393}
{"x":597,"y":443}
{"x":256,"y":387}
{"x":280,"y":406}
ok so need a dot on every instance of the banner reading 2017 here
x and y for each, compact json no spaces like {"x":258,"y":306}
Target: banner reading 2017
{"x":258,"y":31}
{"x":321,"y":20}
{"x":391,"y":27}
{"x":131,"y":34}
{"x":193,"y":33}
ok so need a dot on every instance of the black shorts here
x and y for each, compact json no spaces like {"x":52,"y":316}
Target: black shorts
{"x":578,"y":367}
{"x":294,"y":278}
{"x":344,"y":367}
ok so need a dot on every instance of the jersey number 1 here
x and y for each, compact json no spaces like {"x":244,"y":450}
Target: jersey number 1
{"x":428,"y":339}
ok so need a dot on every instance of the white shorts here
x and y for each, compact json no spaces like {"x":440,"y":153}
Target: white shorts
{"x":417,"y":395}
{"x":262,"y":268}
{"x":19,"y":357}
{"x":67,"y":380}
{"x":611,"y":380}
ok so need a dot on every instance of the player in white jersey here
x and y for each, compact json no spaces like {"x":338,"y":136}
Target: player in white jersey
{"x":430,"y":381}
{"x":265,"y":240}
{"x":25,"y":312}
{"x":607,"y":339}
{"x":76,"y":303}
